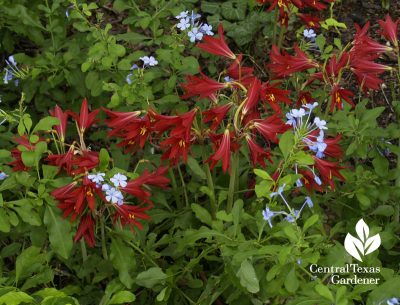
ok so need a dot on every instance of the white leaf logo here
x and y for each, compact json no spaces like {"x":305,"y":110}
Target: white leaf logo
{"x":364,"y":245}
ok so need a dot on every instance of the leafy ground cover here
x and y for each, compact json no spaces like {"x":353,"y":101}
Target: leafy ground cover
{"x":199,"y":152}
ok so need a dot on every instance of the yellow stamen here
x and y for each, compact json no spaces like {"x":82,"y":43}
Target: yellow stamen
{"x":89,"y":193}
{"x":182,"y":143}
{"x":271,"y":97}
{"x":131,"y":216}
{"x":337,"y":97}
{"x":143,"y":131}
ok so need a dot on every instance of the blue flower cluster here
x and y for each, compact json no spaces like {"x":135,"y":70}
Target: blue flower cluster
{"x":190,"y":23}
{"x":148,"y":61}
{"x":293,"y":214}
{"x":307,"y":130}
{"x":393,"y":301}
{"x":3,"y":176}
{"x":12,"y":72}
{"x":112,"y":192}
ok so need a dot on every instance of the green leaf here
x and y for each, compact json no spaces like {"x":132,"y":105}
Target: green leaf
{"x":286,"y":143}
{"x":28,"y":158}
{"x":151,"y":277}
{"x":302,"y":158}
{"x":4,"y":222}
{"x":46,"y":124}
{"x":59,"y":230}
{"x":132,"y":37}
{"x":291,"y":281}
{"x":310,"y":221}
{"x":263,"y":189}
{"x":15,"y":298}
{"x":122,"y":297}
{"x":123,"y":259}
{"x":104,"y":159}
{"x":263,"y":174}
{"x":196,"y":168}
{"x":28,"y":262}
{"x":201,"y":213}
{"x":384,"y":210}
{"x":324,"y":291}
{"x":248,"y":277}
{"x":236,"y":212}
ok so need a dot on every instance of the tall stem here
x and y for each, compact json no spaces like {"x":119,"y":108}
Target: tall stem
{"x":103,"y":239}
{"x":183,"y":186}
{"x":210,"y":184}
{"x":232,"y":181}
{"x":175,"y":189}
{"x":83,"y":250}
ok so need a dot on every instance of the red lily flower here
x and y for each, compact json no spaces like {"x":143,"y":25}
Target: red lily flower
{"x":223,"y":152}
{"x":86,"y":230}
{"x":338,"y":95}
{"x":216,"y":115}
{"x":284,"y":64}
{"x":310,"y":21}
{"x":175,"y":147}
{"x":85,"y":118}
{"x":74,"y":199}
{"x":333,"y":149}
{"x":63,"y":161}
{"x":85,"y":162}
{"x":258,"y":154}
{"x":272,"y":95}
{"x":389,"y":29}
{"x":202,"y":86}
{"x":130,"y":214}
{"x":270,"y":127}
{"x":328,"y":170}
{"x":239,"y":72}
{"x":61,"y":128}
{"x":136,"y":133}
{"x":118,"y":121}
{"x":217,"y":46}
{"x":304,"y":98}
{"x":308,"y":181}
{"x":253,"y":95}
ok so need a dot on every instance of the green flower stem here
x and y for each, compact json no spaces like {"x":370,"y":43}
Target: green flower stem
{"x":183,"y":186}
{"x":232,"y":181}
{"x":175,"y":189}
{"x":136,"y":247}
{"x":83,"y":250}
{"x":103,"y":239}
{"x":210,"y":184}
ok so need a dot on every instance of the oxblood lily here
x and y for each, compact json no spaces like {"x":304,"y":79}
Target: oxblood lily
{"x":119,"y":121}
{"x":270,"y":127}
{"x":86,"y":230}
{"x":85,"y":118}
{"x":258,"y":154}
{"x":135,"y":133}
{"x":389,"y":29}
{"x":328,"y":170}
{"x":216,"y":115}
{"x":130,"y":214}
{"x":338,"y":95}
{"x":63,"y":160}
{"x":272,"y":95}
{"x":310,"y":21}
{"x":217,"y":46}
{"x":333,"y":149}
{"x":242,"y":74}
{"x":61,"y":128}
{"x":365,"y":47}
{"x":201,"y":86}
{"x":74,"y":199}
{"x":284,"y":64}
{"x":223,"y":152}
{"x":253,"y":95}
{"x":304,"y":98}
{"x":86,"y":161}
{"x":175,"y":147}
{"x":308,"y":180}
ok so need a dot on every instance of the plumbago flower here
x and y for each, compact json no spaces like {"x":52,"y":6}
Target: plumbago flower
{"x":13,"y":72}
{"x":195,"y":29}
{"x":148,"y":61}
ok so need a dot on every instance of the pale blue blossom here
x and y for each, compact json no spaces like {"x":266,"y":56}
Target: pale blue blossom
{"x":309,"y":202}
{"x":114,"y":196}
{"x":195,"y":34}
{"x":193,"y":17}
{"x":291,"y":119}
{"x":228,"y":79}
{"x":298,"y":113}
{"x":299,"y":183}
{"x":97,"y":178}
{"x":279,"y":192}
{"x":309,"y":33}
{"x":119,"y":180}
{"x":128,"y":78}
{"x":3,"y":176}
{"x":317,"y":180}
{"x":149,"y":61}
{"x":321,"y":124}
{"x":183,"y":14}
{"x":183,"y":24}
{"x":393,"y":301}
{"x":207,"y":29}
{"x":292,"y":217}
{"x":311,"y":106}
{"x":105,"y":187}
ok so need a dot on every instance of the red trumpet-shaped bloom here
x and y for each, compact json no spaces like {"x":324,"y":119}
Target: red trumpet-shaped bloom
{"x":61,"y":128}
{"x":338,"y":95}
{"x":328,"y":170}
{"x":273,"y":95}
{"x":119,"y":121}
{"x":201,"y":86}
{"x":333,"y":148}
{"x":85,"y":119}
{"x":86,"y":230}
{"x":284,"y":64}
{"x":258,"y":154}
{"x":223,"y":152}
{"x":241,"y":73}
{"x":270,"y":127}
{"x":130,"y":215}
{"x":253,"y":95}
{"x":217,"y":46}
{"x":216,"y":115}
{"x":309,"y":182}
{"x":310,"y":21}
{"x":389,"y":29}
